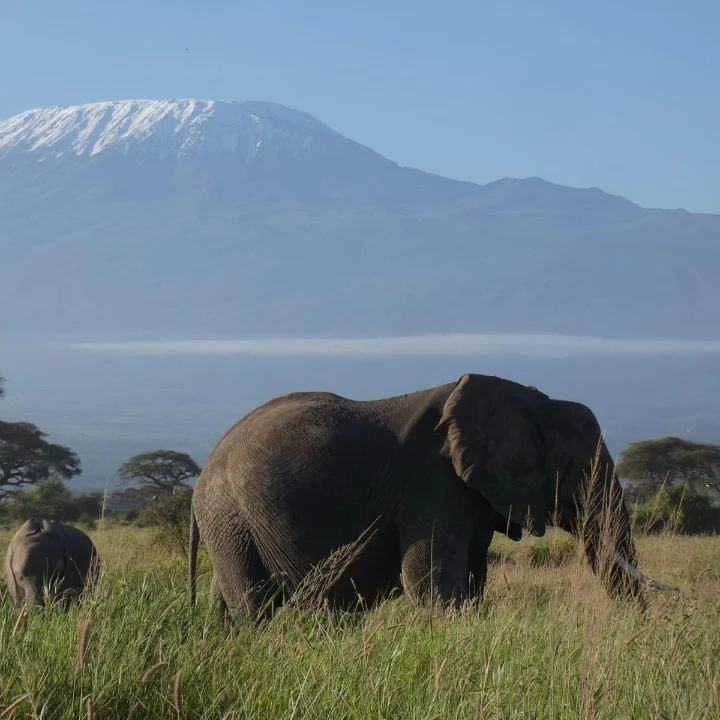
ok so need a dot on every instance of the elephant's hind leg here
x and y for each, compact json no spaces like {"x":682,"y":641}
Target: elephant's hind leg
{"x":241,"y":580}
{"x":219,"y":604}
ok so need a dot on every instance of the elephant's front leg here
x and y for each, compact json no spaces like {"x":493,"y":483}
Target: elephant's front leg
{"x":478,"y":560}
{"x":435,"y":567}
{"x":436,"y":525}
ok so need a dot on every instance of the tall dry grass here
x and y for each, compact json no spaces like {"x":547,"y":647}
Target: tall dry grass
{"x":547,"y":642}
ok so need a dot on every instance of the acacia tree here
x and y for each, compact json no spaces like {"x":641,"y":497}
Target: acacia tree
{"x":673,"y":460}
{"x":26,"y":457}
{"x":165,"y":471}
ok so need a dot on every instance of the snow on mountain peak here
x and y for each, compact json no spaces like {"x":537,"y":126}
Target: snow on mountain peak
{"x":178,"y":125}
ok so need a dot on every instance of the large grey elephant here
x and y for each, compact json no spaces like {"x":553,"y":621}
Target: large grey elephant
{"x":49,"y":554}
{"x":433,"y":474}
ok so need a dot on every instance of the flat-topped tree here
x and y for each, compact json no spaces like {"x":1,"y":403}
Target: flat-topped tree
{"x":650,"y":463}
{"x":26,"y":457}
{"x":164,"y":471}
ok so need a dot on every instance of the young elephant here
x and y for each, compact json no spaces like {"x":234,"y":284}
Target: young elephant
{"x":46,"y":552}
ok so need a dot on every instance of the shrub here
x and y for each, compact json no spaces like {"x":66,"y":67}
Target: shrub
{"x":676,"y":510}
{"x":88,"y":521}
{"x":85,"y":505}
{"x":171,"y":516}
{"x":129,"y":516}
{"x":658,"y":513}
{"x":494,"y":557}
{"x":551,"y":551}
{"x":52,"y":499}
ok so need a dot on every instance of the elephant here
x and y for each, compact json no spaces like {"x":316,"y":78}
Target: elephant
{"x":432,"y":473}
{"x":50,"y":554}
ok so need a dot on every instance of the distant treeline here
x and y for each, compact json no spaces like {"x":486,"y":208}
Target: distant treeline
{"x":673,"y":484}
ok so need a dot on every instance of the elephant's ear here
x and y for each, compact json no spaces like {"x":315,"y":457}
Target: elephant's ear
{"x":572,"y":439}
{"x":495,"y":447}
{"x":31,"y":526}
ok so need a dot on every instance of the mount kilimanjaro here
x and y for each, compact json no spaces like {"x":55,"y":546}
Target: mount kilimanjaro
{"x":229,"y":218}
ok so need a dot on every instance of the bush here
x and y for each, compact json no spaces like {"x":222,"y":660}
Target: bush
{"x":87,"y":505}
{"x":52,"y":499}
{"x":657,"y":514}
{"x":171,"y":516}
{"x":700,"y":515}
{"x":87,"y":521}
{"x":674,"y":510}
{"x":129,"y":516}
{"x":551,"y":551}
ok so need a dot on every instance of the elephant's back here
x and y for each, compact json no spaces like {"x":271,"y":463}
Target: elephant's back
{"x":261,"y":411}
{"x":76,"y":535}
{"x":289,"y":422}
{"x":297,"y":458}
{"x":80,"y":545}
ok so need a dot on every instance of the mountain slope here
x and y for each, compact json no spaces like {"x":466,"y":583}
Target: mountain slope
{"x":224,"y":150}
{"x":236,"y":218}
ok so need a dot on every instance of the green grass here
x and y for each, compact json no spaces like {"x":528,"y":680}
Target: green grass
{"x":546,"y":643}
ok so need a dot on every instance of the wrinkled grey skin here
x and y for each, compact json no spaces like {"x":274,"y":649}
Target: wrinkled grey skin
{"x":436,"y":471}
{"x":49,"y":553}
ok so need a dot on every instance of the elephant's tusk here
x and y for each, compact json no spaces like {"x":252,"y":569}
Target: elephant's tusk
{"x":632,"y":570}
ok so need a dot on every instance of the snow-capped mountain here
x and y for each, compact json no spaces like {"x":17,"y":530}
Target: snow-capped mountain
{"x":237,"y":150}
{"x":166,"y":126}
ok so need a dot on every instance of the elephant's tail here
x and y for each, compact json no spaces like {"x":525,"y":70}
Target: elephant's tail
{"x":192,"y":553}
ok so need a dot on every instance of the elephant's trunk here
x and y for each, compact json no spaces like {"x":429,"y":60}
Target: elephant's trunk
{"x":610,"y":549}
{"x":606,"y":533}
{"x":632,"y":570}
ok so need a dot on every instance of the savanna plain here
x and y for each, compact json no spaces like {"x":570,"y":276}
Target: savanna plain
{"x":546,"y":642}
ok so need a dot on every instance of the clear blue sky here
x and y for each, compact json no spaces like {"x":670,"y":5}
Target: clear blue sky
{"x":620,"y":95}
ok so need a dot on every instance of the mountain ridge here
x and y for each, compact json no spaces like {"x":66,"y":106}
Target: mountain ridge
{"x":91,"y":128}
{"x":311,"y":232}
